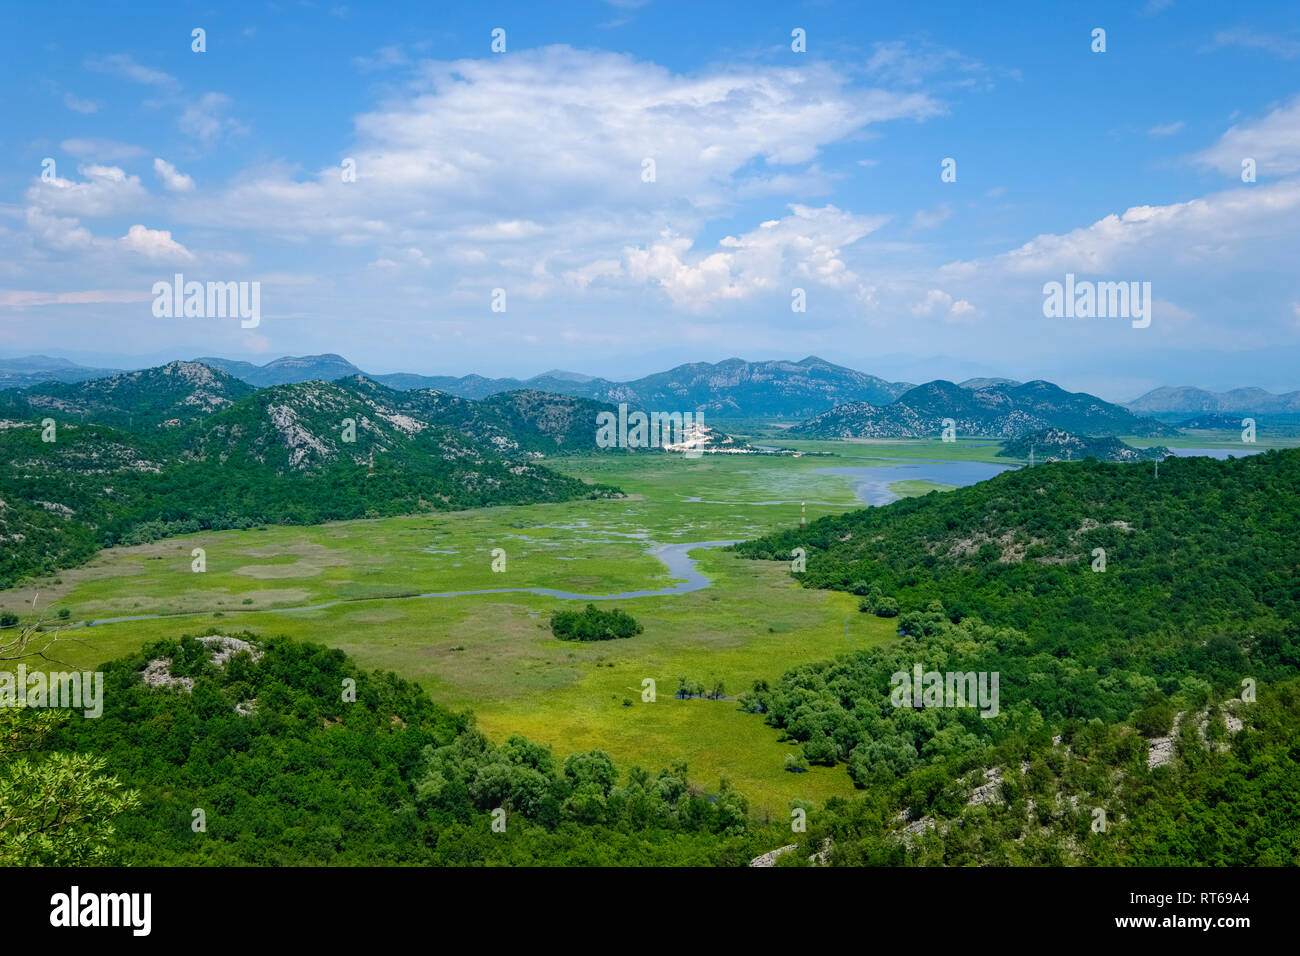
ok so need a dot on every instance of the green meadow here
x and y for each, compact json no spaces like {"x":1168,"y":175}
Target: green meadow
{"x":493,"y":654}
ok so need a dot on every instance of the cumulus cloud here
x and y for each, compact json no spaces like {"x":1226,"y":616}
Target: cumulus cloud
{"x":155,"y":244}
{"x":938,"y":301}
{"x":495,"y":165}
{"x":105,"y":191}
{"x":1272,"y":141}
{"x":804,"y":246}
{"x":172,"y":180}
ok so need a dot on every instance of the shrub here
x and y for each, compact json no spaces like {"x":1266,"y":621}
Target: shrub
{"x":593,"y":625}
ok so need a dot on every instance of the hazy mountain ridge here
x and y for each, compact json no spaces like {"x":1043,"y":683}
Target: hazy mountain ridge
{"x":26,"y":371}
{"x":732,"y":388}
{"x":178,"y":393}
{"x":1190,"y":400}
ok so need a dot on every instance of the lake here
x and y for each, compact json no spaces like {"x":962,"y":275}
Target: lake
{"x":871,"y":483}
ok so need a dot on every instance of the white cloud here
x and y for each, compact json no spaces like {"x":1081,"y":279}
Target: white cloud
{"x":1273,"y":142}
{"x":155,"y":244}
{"x":936,"y":300}
{"x":540,"y":154}
{"x":778,"y":255}
{"x":106,"y":191}
{"x":172,"y":180}
{"x":59,"y":233}
{"x":1190,"y":232}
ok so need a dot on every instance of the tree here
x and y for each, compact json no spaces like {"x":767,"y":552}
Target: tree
{"x":55,"y":809}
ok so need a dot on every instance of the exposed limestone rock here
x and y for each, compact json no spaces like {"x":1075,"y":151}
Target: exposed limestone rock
{"x":224,"y":648}
{"x":769,"y":858}
{"x":1162,"y":748}
{"x":158,"y":673}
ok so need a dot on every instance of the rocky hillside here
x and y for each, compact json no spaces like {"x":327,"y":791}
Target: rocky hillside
{"x":176,"y":394}
{"x":205,"y":452}
{"x":1002,"y":411}
{"x":1055,"y":444}
{"x":312,"y":424}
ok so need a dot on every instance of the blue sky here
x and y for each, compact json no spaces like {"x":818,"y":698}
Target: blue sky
{"x":774,"y":170}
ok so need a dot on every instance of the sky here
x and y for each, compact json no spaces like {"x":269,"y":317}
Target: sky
{"x":635,"y":184}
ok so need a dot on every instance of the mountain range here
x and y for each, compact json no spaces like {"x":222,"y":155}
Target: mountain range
{"x":1188,"y":400}
{"x":37,"y":369}
{"x":1004,"y":411}
{"x":733,"y":388}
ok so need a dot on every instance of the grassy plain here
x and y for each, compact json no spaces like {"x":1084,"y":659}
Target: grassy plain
{"x":493,"y":654}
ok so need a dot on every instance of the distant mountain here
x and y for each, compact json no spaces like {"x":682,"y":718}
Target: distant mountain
{"x":567,"y":376}
{"x":974,"y":383}
{"x":39,"y":369}
{"x":179,"y":393}
{"x":730,"y":389}
{"x":1187,"y":400}
{"x":782,"y":389}
{"x":288,"y":370}
{"x":1005,"y":411}
{"x":1211,"y":421}
{"x":1055,"y":444}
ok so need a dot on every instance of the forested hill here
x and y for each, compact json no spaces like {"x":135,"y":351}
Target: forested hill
{"x":244,"y":750}
{"x":1146,"y":632}
{"x":1056,"y":444}
{"x":179,"y":392}
{"x":1206,"y":543}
